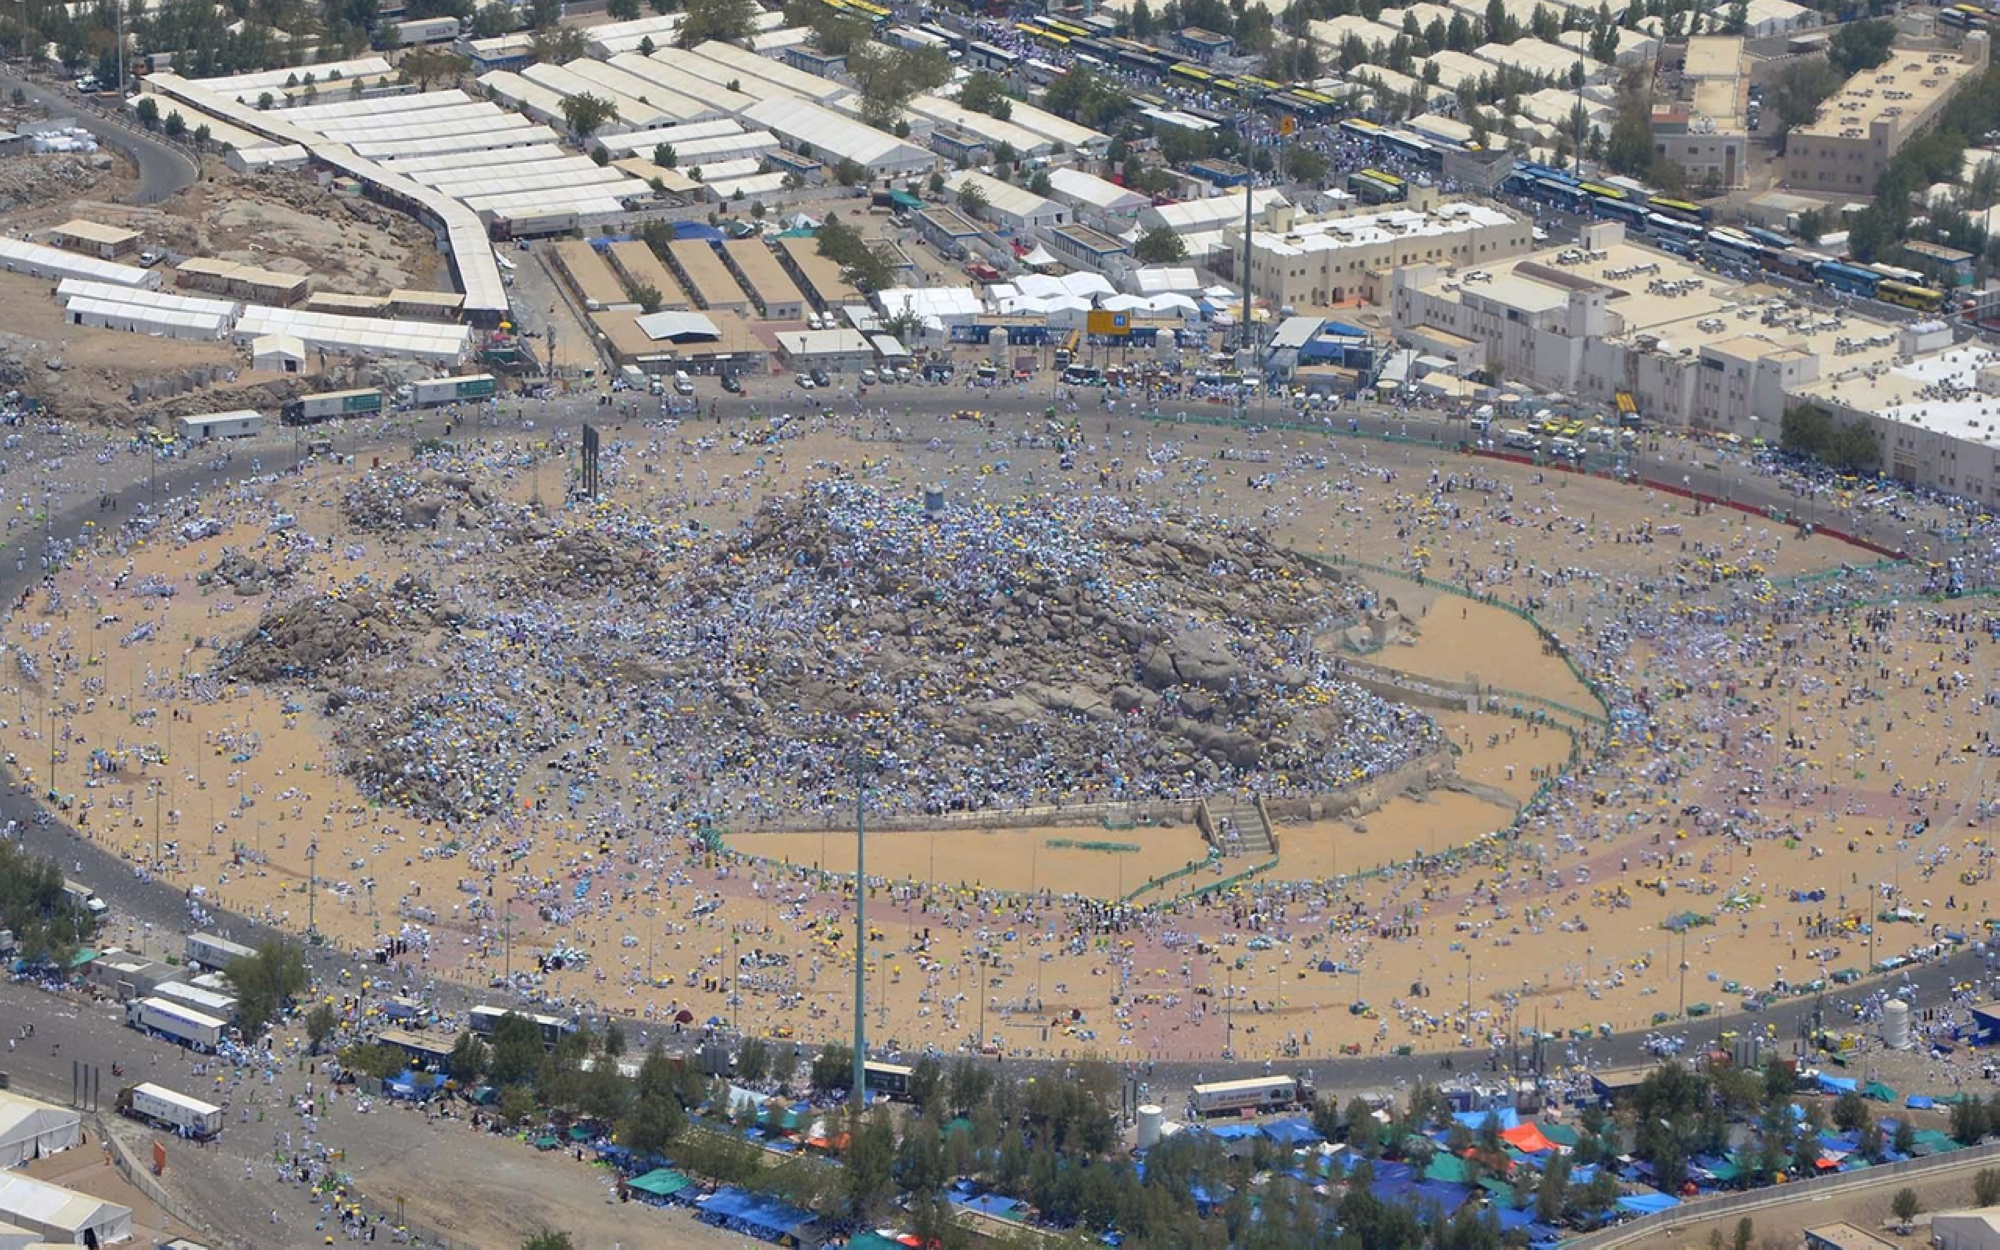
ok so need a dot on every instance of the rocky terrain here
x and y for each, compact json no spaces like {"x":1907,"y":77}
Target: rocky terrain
{"x":993,"y":656}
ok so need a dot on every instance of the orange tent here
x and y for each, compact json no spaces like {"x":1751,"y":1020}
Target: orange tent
{"x":1527,"y":1138}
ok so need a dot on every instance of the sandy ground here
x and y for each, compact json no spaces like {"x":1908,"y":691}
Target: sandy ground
{"x":1582,"y":892}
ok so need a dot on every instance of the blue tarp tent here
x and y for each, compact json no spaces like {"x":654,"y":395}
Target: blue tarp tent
{"x":1447,"y":1195}
{"x":1000,"y":1208}
{"x":754,"y":1215}
{"x":1646,"y":1204}
{"x":1837,"y":1084}
{"x":1514,"y":1219}
{"x":1505,"y":1117}
{"x":1292,"y":1133}
{"x":1919,"y":1102}
{"x":1233,"y":1132}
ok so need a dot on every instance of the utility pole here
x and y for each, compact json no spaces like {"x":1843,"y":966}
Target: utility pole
{"x":860,"y":931}
{"x":312,"y":880}
{"x":1249,"y":203}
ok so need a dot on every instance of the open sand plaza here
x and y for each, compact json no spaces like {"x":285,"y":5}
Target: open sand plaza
{"x":610,"y":749}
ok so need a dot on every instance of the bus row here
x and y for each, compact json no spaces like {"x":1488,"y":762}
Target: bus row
{"x":1682,"y":227}
{"x":428,"y":393}
{"x":1392,"y":141}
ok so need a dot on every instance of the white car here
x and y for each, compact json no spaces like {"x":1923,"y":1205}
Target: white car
{"x":867,"y":377}
{"x":805,"y":383}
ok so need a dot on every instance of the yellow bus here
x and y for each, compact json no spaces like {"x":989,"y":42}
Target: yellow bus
{"x":875,"y":11}
{"x":1067,"y":28}
{"x":1192,"y":73}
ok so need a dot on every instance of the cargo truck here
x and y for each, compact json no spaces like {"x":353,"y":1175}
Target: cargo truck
{"x":1259,"y":1094}
{"x":310,"y":409}
{"x":85,"y":897}
{"x":426,"y":30}
{"x":176,"y":1023}
{"x":163,"y":1108}
{"x":433,"y":392}
{"x":215,"y":953}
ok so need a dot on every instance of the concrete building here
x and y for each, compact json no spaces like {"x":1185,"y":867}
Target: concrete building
{"x":1687,"y":347}
{"x":244,"y":282}
{"x":1009,"y":206}
{"x":1966,"y":1230}
{"x":836,"y":351}
{"x":1703,"y":128}
{"x":1314,"y":263}
{"x":1858,"y":130}
{"x":777,"y":297}
{"x":945,"y":229}
{"x":95,"y":239}
{"x":1080,"y":247}
{"x":1844,"y":1236}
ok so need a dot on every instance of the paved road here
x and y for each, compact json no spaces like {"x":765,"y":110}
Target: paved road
{"x":164,"y":171}
{"x":161,"y":905}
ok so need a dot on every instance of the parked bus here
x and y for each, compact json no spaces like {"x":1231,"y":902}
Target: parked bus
{"x":1372,"y":186}
{"x":1682,"y":209}
{"x":891,"y":1080}
{"x":1909,"y":295}
{"x":483,"y":1019}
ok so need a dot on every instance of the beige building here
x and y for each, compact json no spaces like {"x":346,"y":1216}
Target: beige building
{"x":1689,"y":348}
{"x":1313,"y":263}
{"x":95,"y":239}
{"x":1703,"y":128}
{"x":1858,"y":130}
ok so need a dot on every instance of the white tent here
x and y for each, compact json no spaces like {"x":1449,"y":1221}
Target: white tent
{"x":30,"y":1128}
{"x":62,"y":1216}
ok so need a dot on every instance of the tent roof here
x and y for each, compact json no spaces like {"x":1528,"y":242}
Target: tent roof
{"x":38,"y":1203}
{"x":660,"y":1182}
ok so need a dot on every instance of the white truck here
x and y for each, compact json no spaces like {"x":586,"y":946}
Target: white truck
{"x":213,"y":952}
{"x":1258,"y":1094}
{"x":222,"y":1006}
{"x":421,"y":30}
{"x":85,"y":897}
{"x":176,"y":1022}
{"x":163,"y":1108}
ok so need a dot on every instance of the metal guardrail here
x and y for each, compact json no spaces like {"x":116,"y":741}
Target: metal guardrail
{"x":1817,"y":1189}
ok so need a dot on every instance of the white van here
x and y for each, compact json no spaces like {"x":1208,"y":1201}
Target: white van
{"x":683,"y":384}
{"x":1520,"y":439}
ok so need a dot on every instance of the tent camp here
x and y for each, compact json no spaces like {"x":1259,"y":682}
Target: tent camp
{"x":754,"y":1215}
{"x":30,"y":1128}
{"x":62,"y":1216}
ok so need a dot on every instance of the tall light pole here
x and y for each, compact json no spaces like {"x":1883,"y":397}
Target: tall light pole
{"x":860,"y":930}
{"x":312,"y":881}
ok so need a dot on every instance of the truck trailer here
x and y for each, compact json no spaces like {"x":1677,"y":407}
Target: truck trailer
{"x":1258,"y":1094}
{"x":163,"y":1108}
{"x":421,"y":30}
{"x":215,"y":953}
{"x":433,"y":392}
{"x":311,"y":409}
{"x":176,"y":1022}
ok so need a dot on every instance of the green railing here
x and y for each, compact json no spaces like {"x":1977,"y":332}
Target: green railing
{"x":1184,"y":870}
{"x":1071,"y":844}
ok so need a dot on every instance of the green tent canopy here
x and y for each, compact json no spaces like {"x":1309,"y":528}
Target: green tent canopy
{"x":1878,"y":1091}
{"x":1560,"y":1134}
{"x":1447,"y":1167}
{"x":660,"y":1182}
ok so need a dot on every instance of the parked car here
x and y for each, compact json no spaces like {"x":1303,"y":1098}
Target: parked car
{"x":730,"y":384}
{"x":805,"y":383}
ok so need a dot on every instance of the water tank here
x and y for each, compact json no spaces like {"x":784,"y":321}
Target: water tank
{"x":1150,"y":1119}
{"x":1896,"y":1025}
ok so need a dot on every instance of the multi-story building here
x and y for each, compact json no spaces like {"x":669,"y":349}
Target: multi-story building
{"x":1608,"y":317}
{"x":1703,"y":129}
{"x":1320,"y":262}
{"x":1846,"y":148}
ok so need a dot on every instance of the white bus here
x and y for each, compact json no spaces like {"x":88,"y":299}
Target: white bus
{"x":1263,"y":1093}
{"x":483,"y":1020}
{"x":214,"y":953}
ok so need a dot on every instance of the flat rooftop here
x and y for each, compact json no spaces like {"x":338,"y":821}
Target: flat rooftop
{"x":1713,"y":56}
{"x":1939,"y":393}
{"x":1372,"y":229}
{"x":1910,"y":82}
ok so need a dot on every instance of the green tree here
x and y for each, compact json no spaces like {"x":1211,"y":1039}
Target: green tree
{"x":1552,"y":1194}
{"x":1857,"y":47}
{"x":1986,"y":1188}
{"x":1970,"y":1122}
{"x":726,"y":21}
{"x":48,"y":925}
{"x":1850,"y":1110}
{"x":833,"y":1068}
{"x":985,"y":93}
{"x":664,"y":155}
{"x":557,"y":44}
{"x":584,"y":113}
{"x":753,"y":1061}
{"x":493,"y":21}
{"x":652,"y":1124}
{"x":549,"y":1239}
{"x":266,"y":982}
{"x":622,"y":10}
{"x":1142,"y":20}
{"x":467,"y":1061}
{"x":175,"y":125}
{"x":784,"y":1062}
{"x":320,"y":1022}
{"x":1160,"y":245}
{"x":838,"y":32}
{"x":1904,"y":1206}
{"x":1795,"y":98}
{"x":1630,"y":148}
{"x":424,"y":66}
{"x":368,"y":1059}
{"x":517,"y":1050}
{"x":971,"y":198}
{"x":890,"y":77}
{"x":148,"y":111}
{"x":1086,"y":98}
{"x":870,"y":1165}
{"x":1746,"y":1232}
